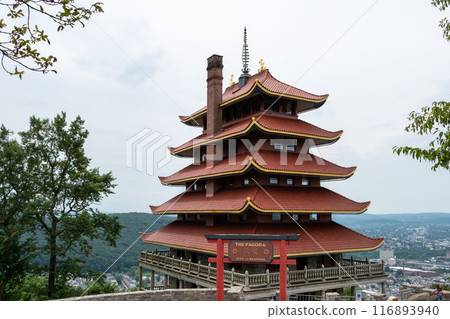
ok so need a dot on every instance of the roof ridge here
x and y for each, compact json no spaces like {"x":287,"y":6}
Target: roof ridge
{"x":343,"y":196}
{"x":293,"y":119}
{"x":291,"y":86}
{"x":354,"y":231}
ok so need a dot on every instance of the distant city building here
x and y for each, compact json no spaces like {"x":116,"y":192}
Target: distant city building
{"x":416,"y":272}
{"x":392,"y":261}
{"x":388,"y":257}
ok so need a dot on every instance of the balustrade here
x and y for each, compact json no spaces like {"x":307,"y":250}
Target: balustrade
{"x":349,"y":268}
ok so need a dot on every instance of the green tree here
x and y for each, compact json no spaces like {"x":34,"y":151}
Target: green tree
{"x":34,"y":287}
{"x":434,"y":120}
{"x":17,"y":243}
{"x":20,"y":37}
{"x":67,"y":190}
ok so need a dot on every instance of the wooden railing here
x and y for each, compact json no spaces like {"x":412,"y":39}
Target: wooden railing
{"x":349,"y":268}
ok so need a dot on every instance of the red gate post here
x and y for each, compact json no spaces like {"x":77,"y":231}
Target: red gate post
{"x":220,"y":259}
{"x":219,"y":270}
{"x":283,"y":265}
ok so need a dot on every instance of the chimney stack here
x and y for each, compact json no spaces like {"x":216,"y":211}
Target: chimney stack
{"x":213,"y":116}
{"x":214,"y":95}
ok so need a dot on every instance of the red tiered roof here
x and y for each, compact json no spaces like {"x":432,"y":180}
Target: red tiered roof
{"x":267,"y":123}
{"x":270,"y":85}
{"x":315,"y":238}
{"x":266,"y":162}
{"x":267,"y":83}
{"x":269,"y":199}
{"x":194,"y":115}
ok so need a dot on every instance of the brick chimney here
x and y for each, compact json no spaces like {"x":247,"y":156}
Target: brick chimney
{"x":213,"y":116}
{"x":214,"y":92}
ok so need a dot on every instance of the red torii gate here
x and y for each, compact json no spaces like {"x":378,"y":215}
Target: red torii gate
{"x":227,"y":238}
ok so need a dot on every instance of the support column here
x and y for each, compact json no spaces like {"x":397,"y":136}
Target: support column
{"x":283,"y":266}
{"x":140,"y":278}
{"x":383,"y":287}
{"x":152,"y":279}
{"x":166,"y":281}
{"x":181,"y":284}
{"x":323,"y":295}
{"x":172,"y":283}
{"x":219,"y":271}
{"x":353,"y":292}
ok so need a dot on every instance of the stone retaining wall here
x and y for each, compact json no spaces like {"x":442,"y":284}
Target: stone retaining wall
{"x":207,"y":294}
{"x":416,"y":292}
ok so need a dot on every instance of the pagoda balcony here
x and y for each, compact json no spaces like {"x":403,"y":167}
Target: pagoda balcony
{"x":263,"y":285}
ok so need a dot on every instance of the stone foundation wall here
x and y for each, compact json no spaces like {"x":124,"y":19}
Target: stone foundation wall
{"x":232,"y":294}
{"x":414,"y":293}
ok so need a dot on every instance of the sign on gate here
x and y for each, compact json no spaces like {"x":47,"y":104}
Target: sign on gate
{"x":250,"y":248}
{"x":250,"y":251}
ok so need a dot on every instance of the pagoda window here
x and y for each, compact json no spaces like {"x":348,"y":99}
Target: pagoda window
{"x":247,"y":109}
{"x":237,"y":113}
{"x":256,"y":106}
{"x":224,"y":182}
{"x":268,"y":103}
{"x":290,"y":148}
{"x":228,"y":116}
{"x":246,"y":181}
{"x":274,"y":180}
{"x":295,"y":217}
{"x":244,"y":217}
{"x":276,"y":216}
{"x":276,"y":107}
{"x":286,"y":107}
{"x":305,"y":181}
{"x":278,"y":146}
{"x":313,"y":217}
{"x":198,"y":217}
{"x":230,"y":181}
{"x":290,"y":181}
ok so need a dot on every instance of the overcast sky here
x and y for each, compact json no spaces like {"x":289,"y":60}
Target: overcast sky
{"x":142,"y":64}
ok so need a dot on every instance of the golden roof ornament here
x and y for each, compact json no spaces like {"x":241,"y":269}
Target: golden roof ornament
{"x":231,"y":80}
{"x":262,"y":68}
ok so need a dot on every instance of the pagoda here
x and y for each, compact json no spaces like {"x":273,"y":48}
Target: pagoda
{"x":253,"y":173}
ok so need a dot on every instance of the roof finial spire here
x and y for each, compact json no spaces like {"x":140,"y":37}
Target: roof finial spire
{"x":245,"y":59}
{"x":245,"y":54}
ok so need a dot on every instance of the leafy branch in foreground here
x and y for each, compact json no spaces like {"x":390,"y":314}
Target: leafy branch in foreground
{"x":433,"y":120}
{"x":444,"y":23}
{"x":19,"y":37}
